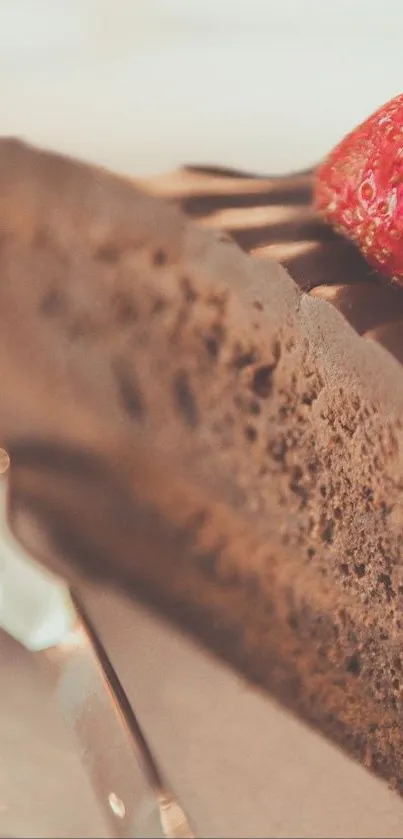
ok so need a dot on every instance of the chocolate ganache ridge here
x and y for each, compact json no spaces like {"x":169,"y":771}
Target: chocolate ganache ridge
{"x":273,"y":218}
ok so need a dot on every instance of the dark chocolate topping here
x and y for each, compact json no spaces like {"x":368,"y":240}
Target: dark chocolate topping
{"x":273,"y":217}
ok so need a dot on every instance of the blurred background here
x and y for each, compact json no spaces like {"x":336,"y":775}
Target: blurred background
{"x":143,"y":85}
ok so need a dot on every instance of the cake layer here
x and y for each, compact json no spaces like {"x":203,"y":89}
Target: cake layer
{"x":186,"y":423}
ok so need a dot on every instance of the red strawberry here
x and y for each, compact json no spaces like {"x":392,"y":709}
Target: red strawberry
{"x":359,"y":188}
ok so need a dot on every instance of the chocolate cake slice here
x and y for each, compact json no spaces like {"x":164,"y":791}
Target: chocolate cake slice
{"x":206,"y":430}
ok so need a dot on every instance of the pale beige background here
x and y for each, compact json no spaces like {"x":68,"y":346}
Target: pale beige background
{"x":142,"y":85}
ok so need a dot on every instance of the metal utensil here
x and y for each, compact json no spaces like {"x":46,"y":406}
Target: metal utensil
{"x":41,"y":613}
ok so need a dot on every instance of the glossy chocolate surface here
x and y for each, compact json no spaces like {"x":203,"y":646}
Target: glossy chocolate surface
{"x":273,"y":218}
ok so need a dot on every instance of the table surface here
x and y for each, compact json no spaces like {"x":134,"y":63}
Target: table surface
{"x":142,"y":87}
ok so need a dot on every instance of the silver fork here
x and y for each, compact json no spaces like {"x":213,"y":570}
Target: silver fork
{"x":123,"y":771}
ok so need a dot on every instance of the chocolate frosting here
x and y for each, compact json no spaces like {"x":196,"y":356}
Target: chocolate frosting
{"x":274,"y":217}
